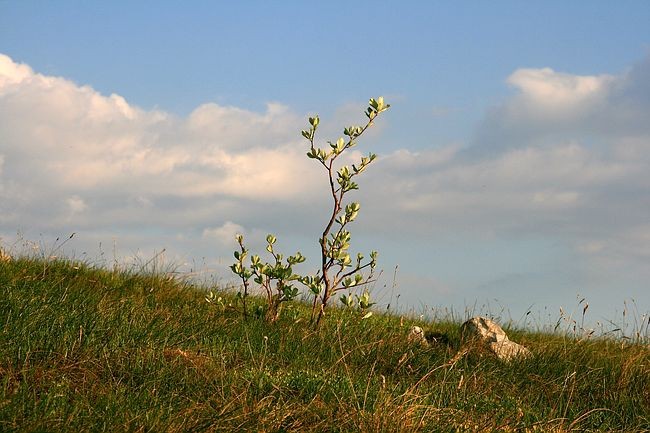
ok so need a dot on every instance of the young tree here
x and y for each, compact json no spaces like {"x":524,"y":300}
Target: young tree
{"x":338,"y":271}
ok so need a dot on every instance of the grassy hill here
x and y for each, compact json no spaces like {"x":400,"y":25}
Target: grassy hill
{"x":85,"y":349}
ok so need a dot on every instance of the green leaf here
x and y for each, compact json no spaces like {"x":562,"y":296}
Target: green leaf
{"x":352,"y":207}
{"x":289,"y":292}
{"x":347,"y":300}
{"x":340,"y":144}
{"x":322,"y":155}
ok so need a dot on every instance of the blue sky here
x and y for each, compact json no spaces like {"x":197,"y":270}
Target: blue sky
{"x":449,"y":55}
{"x":511,"y":162}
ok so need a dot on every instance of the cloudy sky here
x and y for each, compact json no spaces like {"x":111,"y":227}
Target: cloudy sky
{"x":514,"y":163}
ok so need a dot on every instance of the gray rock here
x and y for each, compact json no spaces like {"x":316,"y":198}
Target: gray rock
{"x":487,"y":333}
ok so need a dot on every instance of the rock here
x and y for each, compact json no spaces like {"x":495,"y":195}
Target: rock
{"x":483,"y":331}
{"x":417,"y":336}
{"x":427,"y":338}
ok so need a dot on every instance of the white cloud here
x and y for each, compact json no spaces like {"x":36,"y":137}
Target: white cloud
{"x":225,"y":233}
{"x":61,"y":140}
{"x":76,"y":204}
{"x":565,"y":158}
{"x":544,"y":89}
{"x":12,"y":73}
{"x":239,"y":129}
{"x":509,"y":190}
{"x":590,"y":247}
{"x":598,"y":111}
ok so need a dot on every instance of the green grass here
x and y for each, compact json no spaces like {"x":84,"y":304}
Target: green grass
{"x":85,"y":349}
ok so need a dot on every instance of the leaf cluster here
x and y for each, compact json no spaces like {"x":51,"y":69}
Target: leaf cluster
{"x":275,"y":277}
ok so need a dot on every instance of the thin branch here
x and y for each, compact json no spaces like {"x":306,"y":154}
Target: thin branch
{"x":352,"y":272}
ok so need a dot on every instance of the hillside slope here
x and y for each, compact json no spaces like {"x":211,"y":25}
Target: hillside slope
{"x":85,"y":349}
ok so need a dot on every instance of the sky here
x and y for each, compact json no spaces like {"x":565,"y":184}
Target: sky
{"x":512,"y":170}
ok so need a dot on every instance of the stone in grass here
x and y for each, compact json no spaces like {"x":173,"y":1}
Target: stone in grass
{"x":427,"y":338}
{"x":487,"y":333}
